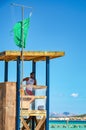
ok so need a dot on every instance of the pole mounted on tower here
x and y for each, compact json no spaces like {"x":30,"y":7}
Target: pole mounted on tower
{"x":22,"y":30}
{"x":22,"y":51}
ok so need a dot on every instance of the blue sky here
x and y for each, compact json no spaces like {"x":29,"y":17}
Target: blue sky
{"x":56,"y":25}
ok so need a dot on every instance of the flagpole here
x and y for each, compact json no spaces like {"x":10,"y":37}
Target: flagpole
{"x":22,"y":31}
{"x":22,"y":42}
{"x":22,"y":51}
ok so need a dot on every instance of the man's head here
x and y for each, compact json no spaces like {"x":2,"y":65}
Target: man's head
{"x":32,"y":75}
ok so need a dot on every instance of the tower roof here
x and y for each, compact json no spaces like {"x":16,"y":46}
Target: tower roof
{"x":30,"y":55}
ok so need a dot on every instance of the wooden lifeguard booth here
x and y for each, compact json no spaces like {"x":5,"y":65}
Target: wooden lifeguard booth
{"x":10,"y":110}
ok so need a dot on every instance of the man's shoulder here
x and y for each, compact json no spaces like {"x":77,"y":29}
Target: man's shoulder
{"x":27,"y":78}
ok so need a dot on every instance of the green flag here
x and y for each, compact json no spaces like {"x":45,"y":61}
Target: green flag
{"x":18,"y":32}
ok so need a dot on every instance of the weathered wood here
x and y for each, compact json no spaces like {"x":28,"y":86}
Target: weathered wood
{"x":25,"y":124}
{"x":7,"y":105}
{"x":1,"y":119}
{"x":27,"y":121}
{"x":24,"y":103}
{"x":39,"y":87}
{"x":26,"y":112}
{"x":41,"y":122}
{"x":9,"y":118}
{"x":33,"y":86}
{"x":8,"y":108}
{"x":30,"y":55}
{"x":27,"y":97}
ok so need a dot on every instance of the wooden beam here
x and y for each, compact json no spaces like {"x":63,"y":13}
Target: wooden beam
{"x":41,"y":122}
{"x":27,"y":121}
{"x":34,"y":53}
{"x":27,"y":113}
{"x":26,"y":97}
{"x":42,"y":58}
{"x":35,"y":86}
{"x":10,"y":58}
{"x":25,"y":124}
{"x":28,"y":58}
{"x":39,"y":87}
{"x":30,"y":55}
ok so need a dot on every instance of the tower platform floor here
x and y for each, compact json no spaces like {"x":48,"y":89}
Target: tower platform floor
{"x":27,"y":113}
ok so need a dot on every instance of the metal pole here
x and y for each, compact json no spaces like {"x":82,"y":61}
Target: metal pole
{"x":22,"y":32}
{"x":19,"y":5}
{"x":47,"y":92}
{"x":18,"y":68}
{"x":6,"y":72}
{"x":18,"y":95}
{"x":33,"y":104}
{"x":34,"y":67}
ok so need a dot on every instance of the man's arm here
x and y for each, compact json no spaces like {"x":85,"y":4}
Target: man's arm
{"x":35,"y":82}
{"x":26,"y":79}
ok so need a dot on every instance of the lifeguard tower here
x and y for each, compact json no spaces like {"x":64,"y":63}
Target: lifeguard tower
{"x":11,"y":113}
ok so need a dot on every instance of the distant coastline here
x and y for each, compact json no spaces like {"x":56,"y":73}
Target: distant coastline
{"x":67,"y":116}
{"x":81,"y":118}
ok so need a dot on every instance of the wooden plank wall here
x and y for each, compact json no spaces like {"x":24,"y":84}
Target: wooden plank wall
{"x":7,"y":105}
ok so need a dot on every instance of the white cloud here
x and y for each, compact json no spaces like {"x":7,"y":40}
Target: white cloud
{"x":74,"y":95}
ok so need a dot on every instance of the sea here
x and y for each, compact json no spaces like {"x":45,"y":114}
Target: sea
{"x":67,"y":125}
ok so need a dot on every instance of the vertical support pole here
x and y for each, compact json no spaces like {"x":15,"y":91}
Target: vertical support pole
{"x":33,"y":104}
{"x":6,"y":72}
{"x":34,"y":67}
{"x":47,"y":91}
{"x":18,"y":96}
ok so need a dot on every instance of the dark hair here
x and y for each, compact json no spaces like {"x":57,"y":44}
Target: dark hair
{"x":31,"y":73}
